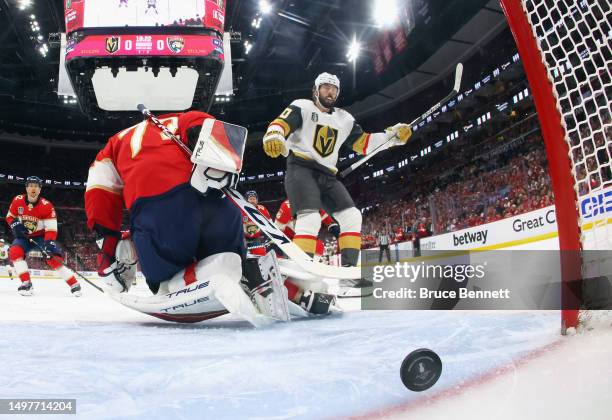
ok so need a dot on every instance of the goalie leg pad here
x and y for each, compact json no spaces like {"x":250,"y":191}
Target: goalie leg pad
{"x":201,"y":271}
{"x":224,"y":274}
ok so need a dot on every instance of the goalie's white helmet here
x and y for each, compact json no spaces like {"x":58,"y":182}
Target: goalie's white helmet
{"x":327,"y":78}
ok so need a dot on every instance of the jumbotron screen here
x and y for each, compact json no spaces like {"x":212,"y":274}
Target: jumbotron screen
{"x":81,"y":14}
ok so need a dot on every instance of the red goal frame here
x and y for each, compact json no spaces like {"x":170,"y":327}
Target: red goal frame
{"x":557,"y":152}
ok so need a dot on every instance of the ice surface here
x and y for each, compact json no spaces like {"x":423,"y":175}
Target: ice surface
{"x":121,"y":364}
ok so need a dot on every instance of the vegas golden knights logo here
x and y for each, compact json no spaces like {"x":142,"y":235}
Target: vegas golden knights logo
{"x":325,"y":140}
{"x":112,"y":44}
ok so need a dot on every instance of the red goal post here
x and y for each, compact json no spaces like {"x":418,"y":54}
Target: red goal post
{"x":565,"y":51}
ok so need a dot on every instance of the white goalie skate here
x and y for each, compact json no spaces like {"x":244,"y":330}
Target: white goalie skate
{"x":263,"y":281}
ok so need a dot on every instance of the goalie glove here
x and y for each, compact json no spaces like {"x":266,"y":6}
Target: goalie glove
{"x":274,"y":142}
{"x":109,"y":269}
{"x":402,"y":133}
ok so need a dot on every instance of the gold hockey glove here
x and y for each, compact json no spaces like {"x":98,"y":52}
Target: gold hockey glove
{"x":402,"y":132}
{"x":274,"y":144}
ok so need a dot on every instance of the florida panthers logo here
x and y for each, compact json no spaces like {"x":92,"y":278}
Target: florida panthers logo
{"x":30,"y":226}
{"x":251,"y":230}
{"x":175,"y":43}
{"x":112,"y":44}
{"x":325,"y":140}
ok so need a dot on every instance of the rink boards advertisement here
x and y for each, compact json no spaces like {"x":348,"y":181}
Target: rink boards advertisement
{"x":533,"y":230}
{"x":511,"y":264}
{"x":80,"y":14}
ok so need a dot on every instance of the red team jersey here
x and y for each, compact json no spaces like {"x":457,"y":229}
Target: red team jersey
{"x":398,"y":236}
{"x":39,"y":219}
{"x":286,"y":221}
{"x":251,"y":230}
{"x":138,"y":162}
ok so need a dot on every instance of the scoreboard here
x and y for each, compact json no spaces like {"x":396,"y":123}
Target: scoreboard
{"x":143,"y":13}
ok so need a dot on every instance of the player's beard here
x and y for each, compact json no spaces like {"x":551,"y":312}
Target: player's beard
{"x":327,"y":102}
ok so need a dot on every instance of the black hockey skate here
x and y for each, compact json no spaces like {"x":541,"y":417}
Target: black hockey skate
{"x":76,"y":290}
{"x":25,"y":289}
{"x":317,"y":303}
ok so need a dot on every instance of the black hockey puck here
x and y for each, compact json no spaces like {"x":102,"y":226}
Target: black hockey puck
{"x":420,"y":370}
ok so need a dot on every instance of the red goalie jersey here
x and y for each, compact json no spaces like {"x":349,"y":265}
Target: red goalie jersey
{"x":39,"y":219}
{"x":123,"y":170}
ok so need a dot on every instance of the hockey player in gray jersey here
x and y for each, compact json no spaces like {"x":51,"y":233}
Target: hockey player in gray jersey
{"x":310,"y":133}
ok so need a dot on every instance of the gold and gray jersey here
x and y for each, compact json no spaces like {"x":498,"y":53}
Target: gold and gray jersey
{"x":318,"y":136}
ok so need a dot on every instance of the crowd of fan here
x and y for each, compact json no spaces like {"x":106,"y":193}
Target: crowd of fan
{"x":505,"y":180}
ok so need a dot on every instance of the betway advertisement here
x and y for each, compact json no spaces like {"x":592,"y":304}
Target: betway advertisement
{"x":538,"y":227}
{"x":508,"y":232}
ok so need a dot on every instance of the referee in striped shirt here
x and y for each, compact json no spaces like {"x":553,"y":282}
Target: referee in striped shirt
{"x":383,"y":244}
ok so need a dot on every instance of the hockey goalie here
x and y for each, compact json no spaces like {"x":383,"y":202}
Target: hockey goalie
{"x":186,"y":236}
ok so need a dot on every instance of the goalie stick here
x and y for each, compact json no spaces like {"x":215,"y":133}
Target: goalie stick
{"x":268,"y":228}
{"x":385,"y":145}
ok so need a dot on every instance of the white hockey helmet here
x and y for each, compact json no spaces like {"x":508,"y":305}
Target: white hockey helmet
{"x":327,"y":78}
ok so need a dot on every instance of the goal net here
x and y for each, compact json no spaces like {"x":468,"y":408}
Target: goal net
{"x":565,"y":47}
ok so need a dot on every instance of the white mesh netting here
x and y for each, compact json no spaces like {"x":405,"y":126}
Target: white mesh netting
{"x":574,"y":39}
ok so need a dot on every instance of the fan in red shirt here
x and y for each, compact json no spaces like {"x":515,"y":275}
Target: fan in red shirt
{"x":285,"y":221}
{"x":398,"y":236}
{"x":34,"y":224}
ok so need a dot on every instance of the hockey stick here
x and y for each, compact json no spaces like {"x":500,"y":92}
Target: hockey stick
{"x":52,"y":257}
{"x":267,"y":227}
{"x":385,"y":145}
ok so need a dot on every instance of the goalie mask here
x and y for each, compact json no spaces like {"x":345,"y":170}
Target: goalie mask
{"x":326,"y":79}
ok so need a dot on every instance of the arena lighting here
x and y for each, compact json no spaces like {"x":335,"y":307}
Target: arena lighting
{"x":265,"y":7}
{"x":247,"y":47}
{"x":24,"y":4}
{"x":386,"y":13}
{"x":353,"y":51}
